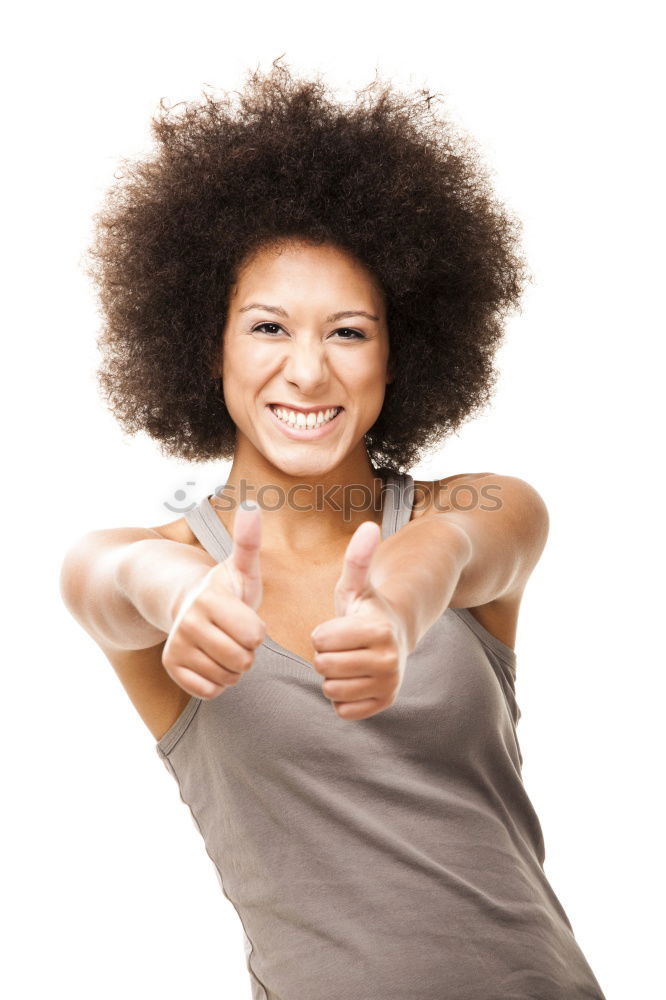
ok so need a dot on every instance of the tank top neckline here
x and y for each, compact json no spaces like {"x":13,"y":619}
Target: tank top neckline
{"x":397,"y":504}
{"x":398,"y":501}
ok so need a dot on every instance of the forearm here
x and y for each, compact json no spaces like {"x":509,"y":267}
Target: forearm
{"x":121,"y":584}
{"x":152,"y":576}
{"x":417,"y":570}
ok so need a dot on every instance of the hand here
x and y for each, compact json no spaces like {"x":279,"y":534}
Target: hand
{"x":363,"y":652}
{"x":216,"y":627}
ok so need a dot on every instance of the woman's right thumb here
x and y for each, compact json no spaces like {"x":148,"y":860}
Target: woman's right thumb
{"x":246,"y":539}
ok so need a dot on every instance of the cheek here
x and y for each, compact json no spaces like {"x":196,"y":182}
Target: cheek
{"x":247,"y":362}
{"x":367,"y":379}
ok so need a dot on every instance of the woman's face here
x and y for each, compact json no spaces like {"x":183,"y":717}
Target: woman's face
{"x":288,"y":346}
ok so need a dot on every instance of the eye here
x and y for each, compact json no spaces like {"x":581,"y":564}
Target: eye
{"x":357,"y":333}
{"x":260,"y":325}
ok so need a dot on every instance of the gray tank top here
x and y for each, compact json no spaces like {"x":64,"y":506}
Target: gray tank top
{"x":391,"y":858}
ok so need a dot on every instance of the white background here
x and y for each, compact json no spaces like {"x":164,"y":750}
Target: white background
{"x":107,"y":887}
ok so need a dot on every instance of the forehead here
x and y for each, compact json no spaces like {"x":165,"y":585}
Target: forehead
{"x":304,"y":270}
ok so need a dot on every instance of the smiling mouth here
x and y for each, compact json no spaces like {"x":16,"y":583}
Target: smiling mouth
{"x":300,"y":421}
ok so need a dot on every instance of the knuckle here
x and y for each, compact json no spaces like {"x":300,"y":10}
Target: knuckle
{"x":245,"y":660}
{"x":206,"y":604}
{"x":230,"y":678}
{"x":204,"y":599}
{"x":385,"y":630}
{"x":172,"y":654}
{"x":200,"y":603}
{"x":210,"y":689}
{"x":189,"y":625}
{"x":321,"y":663}
{"x":389,"y":659}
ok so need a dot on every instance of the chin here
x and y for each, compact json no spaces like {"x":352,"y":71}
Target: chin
{"x":300,"y":466}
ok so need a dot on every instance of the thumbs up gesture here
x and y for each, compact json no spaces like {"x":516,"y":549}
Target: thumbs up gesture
{"x":242,"y":565}
{"x":216,"y":627}
{"x":361,"y":653}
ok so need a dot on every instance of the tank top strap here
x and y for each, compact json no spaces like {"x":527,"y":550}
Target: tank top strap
{"x":207,"y":527}
{"x":398,"y":502}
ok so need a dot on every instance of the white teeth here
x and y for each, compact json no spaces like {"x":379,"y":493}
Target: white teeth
{"x":297,"y":419}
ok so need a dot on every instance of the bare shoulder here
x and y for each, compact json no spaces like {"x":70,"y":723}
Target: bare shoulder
{"x":176,"y":531}
{"x":429,"y":495}
{"x":483,"y":491}
{"x":524,"y":506}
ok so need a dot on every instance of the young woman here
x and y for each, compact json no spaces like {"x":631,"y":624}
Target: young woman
{"x":316,"y":292}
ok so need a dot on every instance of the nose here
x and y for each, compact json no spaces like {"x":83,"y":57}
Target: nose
{"x":306,"y":366}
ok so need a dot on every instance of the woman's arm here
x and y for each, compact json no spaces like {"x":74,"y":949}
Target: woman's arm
{"x":450,"y":556}
{"x":122,"y":584}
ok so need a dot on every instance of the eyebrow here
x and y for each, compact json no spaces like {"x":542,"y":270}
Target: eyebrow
{"x":345,"y":314}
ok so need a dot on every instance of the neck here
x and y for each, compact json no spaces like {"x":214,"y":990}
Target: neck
{"x":302,"y":512}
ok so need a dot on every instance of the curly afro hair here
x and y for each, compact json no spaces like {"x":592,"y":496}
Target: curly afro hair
{"x":382,"y":178}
